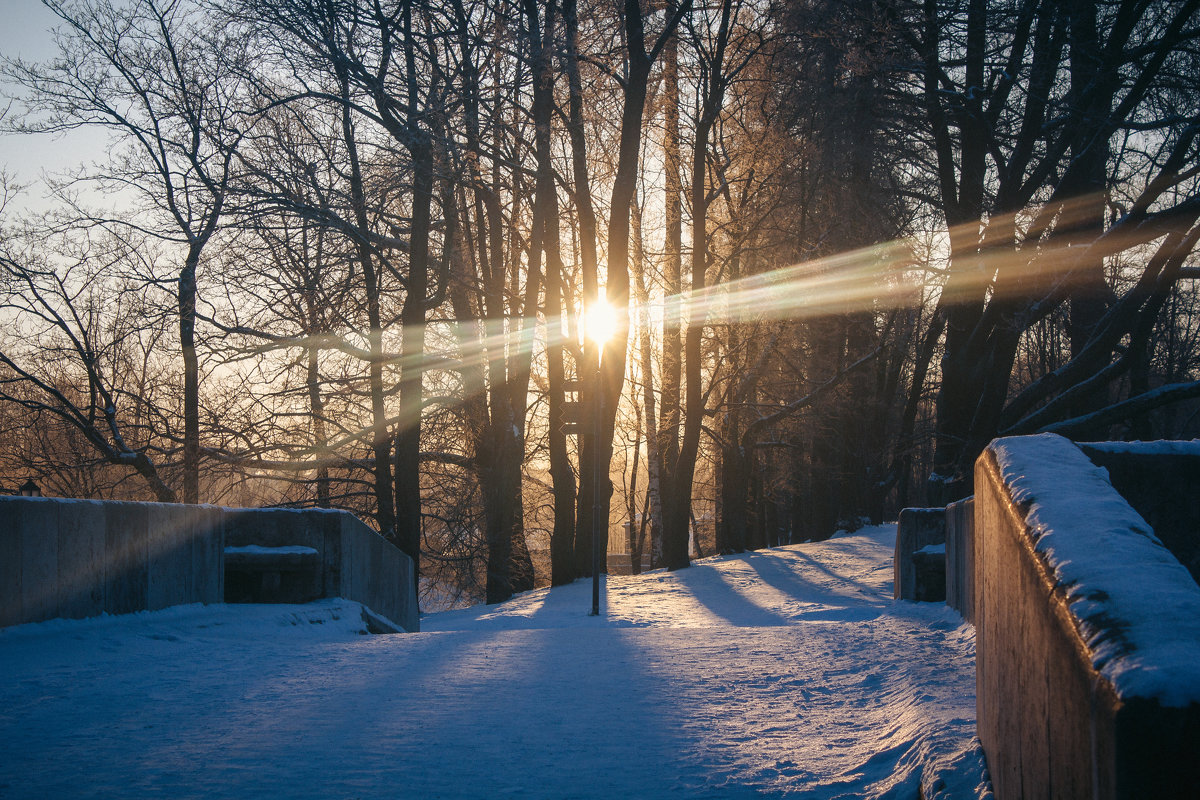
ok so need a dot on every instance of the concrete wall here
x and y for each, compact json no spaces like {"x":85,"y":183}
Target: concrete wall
{"x":79,"y":558}
{"x":356,"y":562}
{"x":1052,"y":723}
{"x":960,"y":557}
{"x":276,"y":527}
{"x":376,"y":574}
{"x":917,"y":528}
{"x":913,"y":573}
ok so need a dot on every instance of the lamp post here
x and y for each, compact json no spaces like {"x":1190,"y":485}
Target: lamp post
{"x":600,"y":323}
{"x":597,"y":483}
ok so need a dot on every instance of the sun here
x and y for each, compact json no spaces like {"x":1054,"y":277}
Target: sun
{"x":601,"y":321}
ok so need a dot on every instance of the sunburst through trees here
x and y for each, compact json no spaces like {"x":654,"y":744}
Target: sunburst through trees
{"x":342,"y":253}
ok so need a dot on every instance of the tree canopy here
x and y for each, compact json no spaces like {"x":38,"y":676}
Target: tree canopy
{"x":339,"y":254}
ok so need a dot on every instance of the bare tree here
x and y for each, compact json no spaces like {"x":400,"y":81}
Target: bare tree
{"x":1022,"y":112}
{"x":158,"y":77}
{"x":69,"y":354}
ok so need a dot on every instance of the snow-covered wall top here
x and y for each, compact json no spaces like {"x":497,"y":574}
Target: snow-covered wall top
{"x":1164,"y":448}
{"x":1136,"y":606}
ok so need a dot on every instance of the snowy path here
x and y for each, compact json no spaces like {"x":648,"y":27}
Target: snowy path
{"x":785,"y":672}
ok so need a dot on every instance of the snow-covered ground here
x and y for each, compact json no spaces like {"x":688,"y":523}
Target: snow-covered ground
{"x":784,"y":672}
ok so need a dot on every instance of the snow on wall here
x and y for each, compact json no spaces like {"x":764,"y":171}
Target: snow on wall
{"x":1137,"y":607}
{"x":255,"y":549}
{"x":1165,"y":448}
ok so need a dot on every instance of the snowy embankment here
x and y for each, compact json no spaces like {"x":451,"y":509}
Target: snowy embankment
{"x":783,"y":672}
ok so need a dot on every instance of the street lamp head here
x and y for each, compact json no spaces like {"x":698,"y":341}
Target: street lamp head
{"x":601,"y":321}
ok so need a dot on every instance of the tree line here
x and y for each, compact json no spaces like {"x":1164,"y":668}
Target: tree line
{"x":338,"y":254}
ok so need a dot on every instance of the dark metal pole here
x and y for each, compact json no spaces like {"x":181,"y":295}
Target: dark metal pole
{"x":597,"y":426}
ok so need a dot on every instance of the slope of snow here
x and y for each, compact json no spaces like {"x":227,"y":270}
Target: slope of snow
{"x":784,"y":672}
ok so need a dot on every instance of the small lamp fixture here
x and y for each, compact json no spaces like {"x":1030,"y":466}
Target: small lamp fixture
{"x":30,"y":489}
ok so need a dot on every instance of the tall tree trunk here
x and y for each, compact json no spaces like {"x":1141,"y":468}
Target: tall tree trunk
{"x":541,"y":35}
{"x":1091,"y":90}
{"x":385,"y":508}
{"x":562,"y":537}
{"x":507,"y":571}
{"x":958,"y":399}
{"x":678,"y":484}
{"x":734,"y":484}
{"x":654,"y":456}
{"x":313,"y":326}
{"x":497,"y":409}
{"x":412,"y":350}
{"x":588,"y":261}
{"x":609,"y":359}
{"x":672,"y":335}
{"x":316,"y":408}
{"x":191,"y":376}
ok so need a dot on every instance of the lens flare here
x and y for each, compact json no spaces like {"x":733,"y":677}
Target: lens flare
{"x":1035,"y":255}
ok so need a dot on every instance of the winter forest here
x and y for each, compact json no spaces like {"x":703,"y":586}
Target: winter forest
{"x":344,"y":253}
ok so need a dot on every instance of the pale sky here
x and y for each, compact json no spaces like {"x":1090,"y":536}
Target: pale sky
{"x":25,"y":32}
{"x":25,"y":26}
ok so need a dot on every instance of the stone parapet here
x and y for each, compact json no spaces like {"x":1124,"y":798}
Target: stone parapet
{"x":960,"y":558}
{"x":1087,"y":633}
{"x":82,"y":558}
{"x":918,"y":569}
